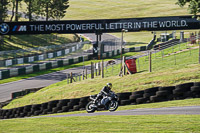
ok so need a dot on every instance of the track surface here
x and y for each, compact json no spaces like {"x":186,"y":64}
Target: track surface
{"x":187,"y":110}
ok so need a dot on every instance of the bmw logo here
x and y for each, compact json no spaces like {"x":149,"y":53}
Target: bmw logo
{"x":4,"y":28}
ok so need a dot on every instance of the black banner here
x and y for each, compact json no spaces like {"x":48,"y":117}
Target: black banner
{"x":100,"y":26}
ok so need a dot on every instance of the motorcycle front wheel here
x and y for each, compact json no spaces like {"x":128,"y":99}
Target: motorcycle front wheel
{"x":113,"y":105}
{"x":90,"y":107}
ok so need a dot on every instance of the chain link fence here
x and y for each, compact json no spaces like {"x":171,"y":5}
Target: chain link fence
{"x":170,"y":55}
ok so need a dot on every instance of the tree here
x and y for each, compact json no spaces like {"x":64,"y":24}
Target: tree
{"x":54,"y":9}
{"x":18,"y":2}
{"x":13,"y":8}
{"x":3,"y":9}
{"x":29,"y":8}
{"x":33,"y":7}
{"x":193,"y":7}
{"x":59,"y":8}
{"x":3,"y":15}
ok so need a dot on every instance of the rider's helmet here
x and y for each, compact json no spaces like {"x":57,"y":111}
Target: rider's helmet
{"x":109,"y":85}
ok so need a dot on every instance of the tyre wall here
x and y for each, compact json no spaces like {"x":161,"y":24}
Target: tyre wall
{"x":150,"y":95}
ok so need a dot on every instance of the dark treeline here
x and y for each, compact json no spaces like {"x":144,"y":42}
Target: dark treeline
{"x":54,"y":9}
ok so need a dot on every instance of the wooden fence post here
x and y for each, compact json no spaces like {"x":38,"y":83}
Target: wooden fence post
{"x":92,"y":70}
{"x":150,"y":63}
{"x":199,"y":45}
{"x":99,"y":66}
{"x":83,"y":75}
{"x":86,"y":73}
{"x":102,"y":69}
{"x":199,"y":53}
{"x":124,"y":70}
{"x":71,"y":77}
{"x":67,"y":78}
{"x":96,"y":67}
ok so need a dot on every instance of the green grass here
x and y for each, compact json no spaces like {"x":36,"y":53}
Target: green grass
{"x":174,"y":103}
{"x":103,"y":9}
{"x":122,"y":124}
{"x":32,"y":41}
{"x":137,"y":39}
{"x":27,"y":41}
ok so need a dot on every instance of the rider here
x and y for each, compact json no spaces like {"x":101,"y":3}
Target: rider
{"x":104,"y":92}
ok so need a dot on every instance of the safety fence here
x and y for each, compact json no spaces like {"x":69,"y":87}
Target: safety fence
{"x":14,"y":57}
{"x":95,"y":70}
{"x":167,"y":55}
{"x":150,"y":95}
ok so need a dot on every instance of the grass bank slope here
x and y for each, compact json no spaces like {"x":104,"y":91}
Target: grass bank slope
{"x":122,"y":124}
{"x":32,"y":41}
{"x":108,"y":9}
{"x":140,"y":81}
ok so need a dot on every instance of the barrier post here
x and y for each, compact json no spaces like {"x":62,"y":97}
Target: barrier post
{"x":96,"y":67}
{"x":99,"y":66}
{"x":67,"y":78}
{"x":102,"y":69}
{"x":124,"y":70}
{"x":92,"y":70}
{"x":83,"y":75}
{"x":86,"y":73}
{"x":150,"y":63}
{"x":199,"y":45}
{"x":71,"y":77}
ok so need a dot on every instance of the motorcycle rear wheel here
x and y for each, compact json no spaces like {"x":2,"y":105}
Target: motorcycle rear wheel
{"x":90,"y":108}
{"x":113,"y":105}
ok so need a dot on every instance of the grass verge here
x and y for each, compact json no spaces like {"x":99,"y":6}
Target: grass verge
{"x":145,"y":123}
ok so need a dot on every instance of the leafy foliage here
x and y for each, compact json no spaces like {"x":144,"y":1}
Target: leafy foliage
{"x":54,"y":9}
{"x":193,"y":7}
{"x":3,"y":9}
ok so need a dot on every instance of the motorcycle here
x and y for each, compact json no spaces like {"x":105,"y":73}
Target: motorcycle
{"x":111,"y":105}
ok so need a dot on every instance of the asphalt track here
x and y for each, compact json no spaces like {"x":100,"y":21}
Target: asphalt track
{"x":187,"y":110}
